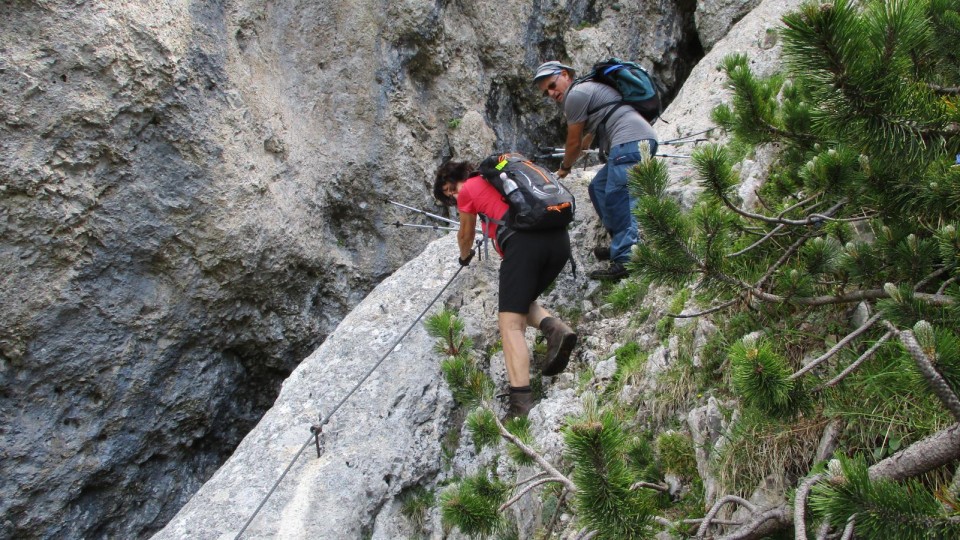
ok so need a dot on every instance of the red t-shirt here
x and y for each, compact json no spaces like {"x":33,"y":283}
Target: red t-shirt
{"x":477,"y":196}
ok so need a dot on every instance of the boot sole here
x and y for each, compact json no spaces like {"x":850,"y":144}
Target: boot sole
{"x":608,"y":277}
{"x":559,"y":363}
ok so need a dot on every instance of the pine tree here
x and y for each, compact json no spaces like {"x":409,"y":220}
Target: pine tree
{"x":861,"y":207}
{"x":608,"y":502}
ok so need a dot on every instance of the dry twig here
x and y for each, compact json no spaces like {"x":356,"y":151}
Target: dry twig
{"x":840,"y":345}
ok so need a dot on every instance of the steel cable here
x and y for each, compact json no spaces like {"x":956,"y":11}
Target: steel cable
{"x":342,"y":401}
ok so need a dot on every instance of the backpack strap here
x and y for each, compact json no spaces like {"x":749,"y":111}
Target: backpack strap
{"x":484,"y":228}
{"x":606,"y":117}
{"x":503,"y":233}
{"x":603,"y":122}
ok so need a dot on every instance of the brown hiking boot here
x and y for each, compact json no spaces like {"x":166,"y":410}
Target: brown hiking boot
{"x":561,"y":340}
{"x":521,"y":401}
{"x":615,"y":272}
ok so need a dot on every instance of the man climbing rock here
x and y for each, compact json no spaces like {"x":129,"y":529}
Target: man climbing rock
{"x":585,"y":105}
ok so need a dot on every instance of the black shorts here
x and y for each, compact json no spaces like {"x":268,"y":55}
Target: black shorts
{"x":531,"y":261}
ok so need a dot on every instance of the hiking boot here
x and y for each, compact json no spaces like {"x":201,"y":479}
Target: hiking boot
{"x":561,"y":340}
{"x":615,"y":272}
{"x":521,"y":401}
{"x":602,"y":253}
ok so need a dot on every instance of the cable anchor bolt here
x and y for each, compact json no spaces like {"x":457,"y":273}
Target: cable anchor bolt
{"x":317,"y":430}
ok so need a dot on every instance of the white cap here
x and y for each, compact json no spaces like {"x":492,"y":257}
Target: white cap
{"x":552,"y":67}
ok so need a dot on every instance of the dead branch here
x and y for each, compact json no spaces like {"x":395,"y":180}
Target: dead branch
{"x":946,"y":90}
{"x":829,"y":440}
{"x":524,"y":491}
{"x":863,"y":358}
{"x":784,"y":257}
{"x":840,"y":345}
{"x":764,"y":524}
{"x":531,"y":479}
{"x":544,"y":464}
{"x":854,"y":296}
{"x":812,"y":219}
{"x":759,"y":242}
{"x":648,"y":485}
{"x":824,"y":530}
{"x":946,"y":284}
{"x":712,"y":521}
{"x":584,"y":534}
{"x":702,"y":530}
{"x":663,"y":521}
{"x":923,"y":282}
{"x":714,"y":309}
{"x":556,"y":514}
{"x":920,"y":457}
{"x":800,"y":505}
{"x":848,"y":530}
{"x":798,"y":204}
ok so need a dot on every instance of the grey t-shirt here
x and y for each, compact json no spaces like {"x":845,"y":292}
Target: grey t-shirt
{"x":624,"y":125}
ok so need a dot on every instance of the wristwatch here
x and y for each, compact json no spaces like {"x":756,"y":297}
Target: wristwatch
{"x":564,"y":167}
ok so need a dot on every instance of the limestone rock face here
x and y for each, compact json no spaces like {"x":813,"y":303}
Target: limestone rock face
{"x":192,"y":199}
{"x":401,"y":429}
{"x":714,"y":18}
{"x":383,"y":438}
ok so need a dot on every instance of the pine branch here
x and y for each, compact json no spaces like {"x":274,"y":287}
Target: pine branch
{"x":784,"y":258}
{"x":939,"y":386}
{"x":714,"y":309}
{"x":934,"y":275}
{"x":812,"y":219}
{"x":543,"y":463}
{"x":759,"y":242}
{"x":855,"y":296}
{"x":524,"y":491}
{"x":840,"y":345}
{"x":863,"y":357}
{"x":945,"y":90}
{"x":946,"y":284}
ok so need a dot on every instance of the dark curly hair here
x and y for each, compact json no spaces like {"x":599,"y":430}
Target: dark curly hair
{"x":451,"y":172}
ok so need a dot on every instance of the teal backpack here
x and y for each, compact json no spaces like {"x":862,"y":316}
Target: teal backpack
{"x":637,"y":87}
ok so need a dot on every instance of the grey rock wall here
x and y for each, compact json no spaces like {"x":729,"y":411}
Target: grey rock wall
{"x":715,"y":17}
{"x":384,"y":438}
{"x":191,"y":199}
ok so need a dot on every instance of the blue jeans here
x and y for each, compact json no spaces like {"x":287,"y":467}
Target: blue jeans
{"x":611,"y":198}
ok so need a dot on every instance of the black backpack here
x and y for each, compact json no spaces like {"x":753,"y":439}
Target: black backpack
{"x":637,"y":88}
{"x":535,"y":195}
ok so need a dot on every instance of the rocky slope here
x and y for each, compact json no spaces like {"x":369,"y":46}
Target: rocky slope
{"x":192,"y":199}
{"x":400,"y":429}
